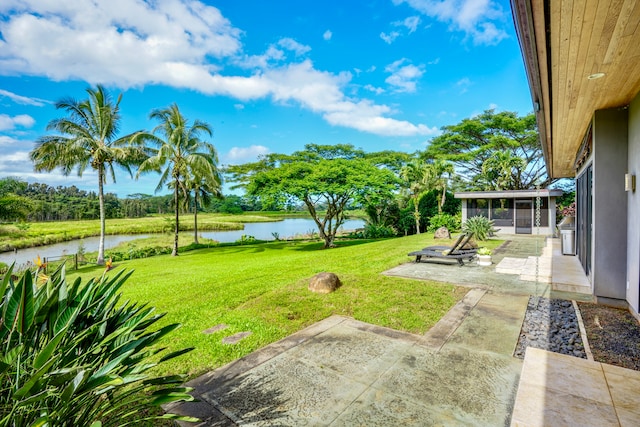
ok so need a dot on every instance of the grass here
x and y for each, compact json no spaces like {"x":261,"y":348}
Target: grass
{"x":262,"y":288}
{"x":44,"y":233}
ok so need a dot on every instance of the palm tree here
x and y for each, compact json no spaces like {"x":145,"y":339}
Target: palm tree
{"x":502,"y":171}
{"x":179,"y":154}
{"x":414,"y":175}
{"x":437,"y":176}
{"x":203,"y":188}
{"x":87,"y":137}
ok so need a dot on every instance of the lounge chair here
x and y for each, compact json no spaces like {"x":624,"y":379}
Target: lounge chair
{"x":454,"y":252}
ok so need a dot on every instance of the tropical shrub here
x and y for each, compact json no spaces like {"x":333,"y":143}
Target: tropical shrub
{"x":73,"y":354}
{"x":246,"y":239}
{"x":480,"y":226}
{"x":452,"y":222}
{"x":373,"y":231}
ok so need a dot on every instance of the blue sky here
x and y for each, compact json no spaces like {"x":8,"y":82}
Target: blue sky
{"x":268,"y":76}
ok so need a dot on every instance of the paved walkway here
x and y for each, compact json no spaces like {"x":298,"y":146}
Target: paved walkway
{"x":342,"y":372}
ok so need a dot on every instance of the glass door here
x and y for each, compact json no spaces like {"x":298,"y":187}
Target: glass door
{"x":524,"y":216}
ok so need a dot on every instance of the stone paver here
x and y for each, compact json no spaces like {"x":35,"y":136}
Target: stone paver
{"x":556,"y":389}
{"x":342,"y":372}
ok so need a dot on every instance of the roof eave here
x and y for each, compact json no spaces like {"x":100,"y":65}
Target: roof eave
{"x":533,"y":46}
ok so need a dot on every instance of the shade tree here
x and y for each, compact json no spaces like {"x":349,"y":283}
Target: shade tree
{"x":325,"y":178}
{"x":472,"y":144}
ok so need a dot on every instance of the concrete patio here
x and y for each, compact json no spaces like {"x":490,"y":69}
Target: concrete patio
{"x":342,"y":372}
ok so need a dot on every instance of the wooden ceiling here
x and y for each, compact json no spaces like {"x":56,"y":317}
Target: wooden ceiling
{"x":564,"y":42}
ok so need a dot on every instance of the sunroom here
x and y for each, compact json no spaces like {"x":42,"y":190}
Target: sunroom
{"x":513,"y":211}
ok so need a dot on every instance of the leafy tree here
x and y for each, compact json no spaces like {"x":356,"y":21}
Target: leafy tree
{"x":178,"y":154}
{"x":429,"y":205}
{"x":87,"y":137}
{"x":12,"y":205}
{"x":473,"y":141}
{"x":323,"y":177}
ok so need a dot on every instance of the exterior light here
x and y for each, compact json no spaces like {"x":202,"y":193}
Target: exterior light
{"x":629,"y":182}
{"x":595,"y":76}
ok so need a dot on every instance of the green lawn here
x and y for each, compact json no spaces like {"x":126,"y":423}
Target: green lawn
{"x":262,"y":288}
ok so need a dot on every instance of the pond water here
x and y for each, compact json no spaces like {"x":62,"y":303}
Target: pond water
{"x":290,"y":227}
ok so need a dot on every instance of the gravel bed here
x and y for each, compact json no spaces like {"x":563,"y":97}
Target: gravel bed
{"x":550,"y":324}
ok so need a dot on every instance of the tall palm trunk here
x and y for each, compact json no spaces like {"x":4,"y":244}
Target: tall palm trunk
{"x":442,"y":199}
{"x":176,"y":200}
{"x":100,"y":260}
{"x":416,"y":214}
{"x":195,"y":218}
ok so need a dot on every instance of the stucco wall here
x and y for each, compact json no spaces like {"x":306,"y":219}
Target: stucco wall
{"x":633,"y":209}
{"x":610,"y":136}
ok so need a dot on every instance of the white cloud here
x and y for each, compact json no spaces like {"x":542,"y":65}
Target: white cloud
{"x":464,"y":84}
{"x":327,"y":35}
{"x":389,"y":38}
{"x":294,"y":46}
{"x":23,"y":100}
{"x":112,"y":41}
{"x":182,"y":44}
{"x":17,"y":156}
{"x":476,"y":18}
{"x":6,"y":140}
{"x":8,"y":122}
{"x":376,"y":90}
{"x":238,"y":106}
{"x":238,"y":155}
{"x":403,"y":77}
{"x":411,"y":23}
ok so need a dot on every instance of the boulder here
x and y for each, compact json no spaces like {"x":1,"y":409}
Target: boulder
{"x":324,"y":283}
{"x":442,"y":233}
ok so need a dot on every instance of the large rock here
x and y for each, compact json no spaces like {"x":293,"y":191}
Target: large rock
{"x":442,"y":233}
{"x":324,"y":283}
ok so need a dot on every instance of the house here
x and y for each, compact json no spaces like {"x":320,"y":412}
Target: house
{"x":513,"y":212}
{"x":582,"y":62}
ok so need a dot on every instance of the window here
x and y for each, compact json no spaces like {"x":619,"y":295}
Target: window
{"x":478,"y":207}
{"x":502,"y":212}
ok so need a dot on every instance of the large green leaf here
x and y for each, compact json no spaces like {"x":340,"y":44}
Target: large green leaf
{"x":48,"y":350}
{"x":9,"y":357}
{"x":28,"y":385}
{"x":19,"y":314}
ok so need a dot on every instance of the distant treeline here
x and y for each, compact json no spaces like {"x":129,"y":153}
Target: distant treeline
{"x":43,"y":202}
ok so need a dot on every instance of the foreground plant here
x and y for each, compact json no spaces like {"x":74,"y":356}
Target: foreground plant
{"x":72,"y":354}
{"x":480,"y":226}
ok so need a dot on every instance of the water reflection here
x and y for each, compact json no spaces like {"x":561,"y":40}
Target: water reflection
{"x":287,"y":228}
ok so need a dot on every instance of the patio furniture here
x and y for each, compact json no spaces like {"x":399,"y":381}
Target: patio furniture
{"x":453,"y":252}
